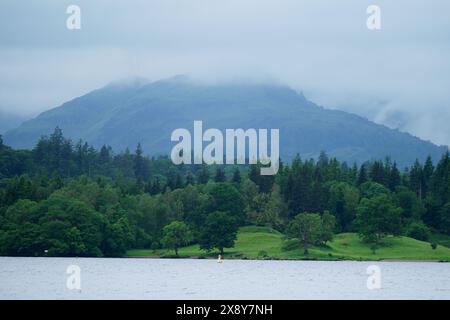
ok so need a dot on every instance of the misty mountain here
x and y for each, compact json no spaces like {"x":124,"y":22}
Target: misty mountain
{"x":9,"y":121}
{"x":123,"y":114}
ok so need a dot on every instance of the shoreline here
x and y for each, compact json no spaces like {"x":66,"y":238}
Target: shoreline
{"x":241,"y":259}
{"x":238,"y":259}
{"x":269,"y":259}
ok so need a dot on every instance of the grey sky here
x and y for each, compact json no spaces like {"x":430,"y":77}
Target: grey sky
{"x":399,"y":76}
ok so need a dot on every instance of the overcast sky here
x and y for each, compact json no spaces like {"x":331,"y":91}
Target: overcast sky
{"x":399,"y":75}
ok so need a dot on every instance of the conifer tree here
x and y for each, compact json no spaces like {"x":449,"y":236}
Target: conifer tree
{"x":237,"y":176}
{"x":220,"y":175}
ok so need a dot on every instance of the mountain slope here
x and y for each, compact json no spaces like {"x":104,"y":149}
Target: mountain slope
{"x":9,"y":121}
{"x":123,"y":115}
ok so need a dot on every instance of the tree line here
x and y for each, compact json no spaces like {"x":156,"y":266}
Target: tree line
{"x":66,"y":199}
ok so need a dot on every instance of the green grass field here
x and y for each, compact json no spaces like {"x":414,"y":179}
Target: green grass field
{"x":264,"y":243}
{"x":441,"y":239}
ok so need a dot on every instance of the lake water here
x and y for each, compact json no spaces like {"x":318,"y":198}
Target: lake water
{"x":46,"y":278}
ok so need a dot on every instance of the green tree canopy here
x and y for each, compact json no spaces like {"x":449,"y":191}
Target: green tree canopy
{"x":307,"y":228}
{"x":226,"y":198}
{"x":378,"y":217}
{"x":219,"y":231}
{"x":175,"y":235}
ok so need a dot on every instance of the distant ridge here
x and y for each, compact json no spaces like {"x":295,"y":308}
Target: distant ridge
{"x":9,"y":121}
{"x":122,"y":114}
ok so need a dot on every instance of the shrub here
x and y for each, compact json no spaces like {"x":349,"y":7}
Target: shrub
{"x":262,"y":254}
{"x":419,"y":231}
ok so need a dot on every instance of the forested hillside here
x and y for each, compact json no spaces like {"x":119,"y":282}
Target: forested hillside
{"x":66,"y":199}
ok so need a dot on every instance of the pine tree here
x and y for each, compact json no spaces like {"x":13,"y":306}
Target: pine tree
{"x":362,"y":177}
{"x":354,"y":174}
{"x":333,"y":170}
{"x":220,"y":175}
{"x":91,"y":156}
{"x":105,"y":155}
{"x":280,"y":167}
{"x":203,"y":176}
{"x":178,"y":181}
{"x":156,"y":187}
{"x":394,"y":177}
{"x":171,"y":182}
{"x":126,"y":163}
{"x":265,"y":183}
{"x":254,"y":174}
{"x":60,"y":153}
{"x":81,"y":157}
{"x":377,"y":173}
{"x":416,"y":179}
{"x":190,"y":180}
{"x":428,"y":170}
{"x":440,"y":181}
{"x":322,"y":162}
{"x":237,"y":176}
{"x":139,"y":163}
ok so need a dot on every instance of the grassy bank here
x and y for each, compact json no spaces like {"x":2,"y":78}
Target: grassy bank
{"x":264,"y":243}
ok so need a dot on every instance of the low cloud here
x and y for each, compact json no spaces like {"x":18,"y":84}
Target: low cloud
{"x":397,"y":76}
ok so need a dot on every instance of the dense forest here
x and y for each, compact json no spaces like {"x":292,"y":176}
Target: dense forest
{"x":65,"y":199}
